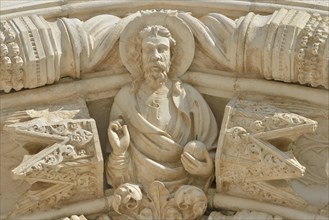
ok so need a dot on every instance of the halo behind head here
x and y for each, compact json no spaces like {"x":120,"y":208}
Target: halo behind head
{"x":182,"y":54}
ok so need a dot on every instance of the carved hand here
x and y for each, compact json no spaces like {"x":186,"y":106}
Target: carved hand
{"x":119,"y":137}
{"x":196,"y":167}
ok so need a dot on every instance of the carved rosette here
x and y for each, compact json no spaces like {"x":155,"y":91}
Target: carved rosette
{"x":288,"y":46}
{"x":312,"y":49}
{"x":291,"y":46}
{"x":30,"y":52}
{"x":254,"y":158}
{"x":12,"y":73}
{"x":66,"y":168}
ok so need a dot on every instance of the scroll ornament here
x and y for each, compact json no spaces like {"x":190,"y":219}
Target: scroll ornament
{"x":254,"y":156}
{"x":289,"y":46}
{"x":69,"y":166}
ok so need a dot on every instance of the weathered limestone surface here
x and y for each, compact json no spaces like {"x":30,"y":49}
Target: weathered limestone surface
{"x":54,"y":157}
{"x":171,"y":110}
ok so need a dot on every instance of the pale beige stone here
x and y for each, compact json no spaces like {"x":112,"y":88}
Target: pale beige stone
{"x":149,"y":137}
{"x":254,"y":151}
{"x":243,"y":215}
{"x":267,"y":61}
{"x":288,"y":46}
{"x":63,"y":162}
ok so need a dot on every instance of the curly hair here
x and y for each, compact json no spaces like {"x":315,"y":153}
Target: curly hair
{"x":149,"y":31}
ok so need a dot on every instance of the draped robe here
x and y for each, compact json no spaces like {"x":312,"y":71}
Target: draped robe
{"x":154,"y":153}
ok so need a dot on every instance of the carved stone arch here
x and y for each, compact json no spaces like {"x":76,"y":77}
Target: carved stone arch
{"x":273,"y":53}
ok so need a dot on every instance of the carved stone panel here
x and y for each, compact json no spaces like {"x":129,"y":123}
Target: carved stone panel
{"x":254,"y":155}
{"x":288,"y":46}
{"x":64,"y":163}
{"x":162,"y":132}
{"x":150,"y":64}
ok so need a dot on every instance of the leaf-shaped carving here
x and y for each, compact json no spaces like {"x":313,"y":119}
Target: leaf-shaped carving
{"x":116,"y":202}
{"x":159,"y":195}
{"x":126,"y":198}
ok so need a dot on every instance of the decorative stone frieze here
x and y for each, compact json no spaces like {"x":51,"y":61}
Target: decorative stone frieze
{"x":12,"y":72}
{"x":202,"y":113}
{"x":64,"y":163}
{"x":254,"y":154}
{"x":288,"y":46}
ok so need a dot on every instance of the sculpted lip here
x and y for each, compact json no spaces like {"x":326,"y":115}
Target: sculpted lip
{"x":156,"y":66}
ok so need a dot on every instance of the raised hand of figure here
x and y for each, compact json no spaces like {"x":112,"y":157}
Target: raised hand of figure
{"x":118,"y":136}
{"x":198,"y":165}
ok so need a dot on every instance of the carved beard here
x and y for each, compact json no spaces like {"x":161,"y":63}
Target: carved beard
{"x":155,"y":73}
{"x":155,"y":79}
{"x":160,"y":65}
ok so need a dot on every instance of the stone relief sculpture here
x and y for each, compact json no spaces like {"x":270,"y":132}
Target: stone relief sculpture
{"x":65,"y":160}
{"x":288,"y":46}
{"x":254,"y":152}
{"x":315,"y":144}
{"x":166,"y":150}
{"x":162,"y":142}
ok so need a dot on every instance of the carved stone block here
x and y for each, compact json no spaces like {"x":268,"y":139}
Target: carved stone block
{"x":270,"y":159}
{"x":64,"y":163}
{"x":254,"y":154}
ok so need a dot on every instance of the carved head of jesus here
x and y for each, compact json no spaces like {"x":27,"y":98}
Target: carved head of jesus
{"x":156,"y":41}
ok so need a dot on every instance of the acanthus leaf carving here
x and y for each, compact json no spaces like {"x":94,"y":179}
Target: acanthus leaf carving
{"x":255,"y":151}
{"x":67,"y":168}
{"x":127,"y":197}
{"x":254,"y":148}
{"x":188,"y":202}
{"x":158,"y":193}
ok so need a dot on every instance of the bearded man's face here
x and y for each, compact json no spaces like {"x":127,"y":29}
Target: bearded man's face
{"x":156,"y":60}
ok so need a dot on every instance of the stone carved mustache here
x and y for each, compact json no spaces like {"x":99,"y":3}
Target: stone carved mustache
{"x":149,"y":66}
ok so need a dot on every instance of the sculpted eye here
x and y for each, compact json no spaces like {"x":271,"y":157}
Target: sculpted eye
{"x":162,"y":49}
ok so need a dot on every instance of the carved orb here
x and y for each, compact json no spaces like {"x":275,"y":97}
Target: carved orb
{"x":196,"y":149}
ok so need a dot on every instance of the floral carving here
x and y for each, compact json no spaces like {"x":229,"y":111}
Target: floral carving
{"x":126,"y":197}
{"x":191,"y":201}
{"x":259,"y":117}
{"x":12,"y":73}
{"x":188,"y":202}
{"x":65,"y":171}
{"x":255,"y":149}
{"x":312,"y":40}
{"x":73,"y":130}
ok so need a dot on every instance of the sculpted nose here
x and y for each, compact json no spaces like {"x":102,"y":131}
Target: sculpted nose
{"x":155,"y":56}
